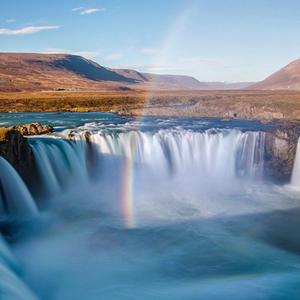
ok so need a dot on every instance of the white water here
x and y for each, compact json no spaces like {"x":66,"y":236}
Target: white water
{"x":60,"y":163}
{"x":223,"y":155}
{"x":196,"y":174}
{"x":15,"y":199}
{"x":295,"y":181}
{"x":210,"y":153}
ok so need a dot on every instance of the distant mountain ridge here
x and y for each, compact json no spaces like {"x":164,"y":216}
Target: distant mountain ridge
{"x":286,"y":78}
{"x":48,"y":72}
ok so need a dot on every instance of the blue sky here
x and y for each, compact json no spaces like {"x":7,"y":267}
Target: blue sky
{"x":213,"y":40}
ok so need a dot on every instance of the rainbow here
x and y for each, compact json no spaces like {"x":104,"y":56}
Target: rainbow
{"x":127,"y":192}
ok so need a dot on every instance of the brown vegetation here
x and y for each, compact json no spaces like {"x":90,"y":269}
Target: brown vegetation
{"x":263,"y":105}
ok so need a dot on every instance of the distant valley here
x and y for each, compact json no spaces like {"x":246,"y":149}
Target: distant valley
{"x":21,"y":72}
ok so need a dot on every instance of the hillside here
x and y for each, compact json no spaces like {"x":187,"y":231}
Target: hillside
{"x":286,"y":78}
{"x":38,"y":72}
{"x":63,"y":72}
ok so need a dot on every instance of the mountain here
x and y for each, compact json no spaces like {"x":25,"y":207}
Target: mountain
{"x":164,"y":81}
{"x":65,"y":72}
{"x":30,"y":72}
{"x":179,"y":81}
{"x":228,"y":85}
{"x":286,"y":78}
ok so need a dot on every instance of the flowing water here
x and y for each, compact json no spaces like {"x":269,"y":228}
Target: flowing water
{"x":15,"y":199}
{"x":158,"y":208}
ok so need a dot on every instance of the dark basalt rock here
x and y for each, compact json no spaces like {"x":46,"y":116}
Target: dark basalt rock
{"x":15,"y":148}
{"x":280,"y":151}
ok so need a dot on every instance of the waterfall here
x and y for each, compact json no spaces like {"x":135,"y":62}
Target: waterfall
{"x":213,"y":154}
{"x":16,"y":203}
{"x":295,"y":181}
{"x":58,"y":162}
{"x":15,"y":199}
{"x":250,"y":157}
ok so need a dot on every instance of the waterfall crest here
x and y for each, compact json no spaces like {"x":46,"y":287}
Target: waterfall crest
{"x":223,"y":154}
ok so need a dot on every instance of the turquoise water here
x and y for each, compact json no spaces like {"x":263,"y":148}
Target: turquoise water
{"x":63,"y":120}
{"x":202,"y":228}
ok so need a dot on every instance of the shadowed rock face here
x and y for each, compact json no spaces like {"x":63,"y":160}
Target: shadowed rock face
{"x":15,"y":148}
{"x":280,"y":151}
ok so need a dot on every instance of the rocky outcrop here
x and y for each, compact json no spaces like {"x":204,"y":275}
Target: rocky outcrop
{"x":15,"y":148}
{"x":280,"y":151}
{"x":33,"y":129}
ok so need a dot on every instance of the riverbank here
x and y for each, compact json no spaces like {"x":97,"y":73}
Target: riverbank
{"x":239,"y":104}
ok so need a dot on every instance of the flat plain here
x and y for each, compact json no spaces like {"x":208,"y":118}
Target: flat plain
{"x":240,"y":104}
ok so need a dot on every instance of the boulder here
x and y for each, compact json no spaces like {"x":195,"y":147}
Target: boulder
{"x":33,"y":129}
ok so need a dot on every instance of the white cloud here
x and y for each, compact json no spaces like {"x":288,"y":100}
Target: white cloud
{"x":89,"y":11}
{"x":150,"y":51}
{"x":26,"y":30}
{"x":77,"y":8}
{"x":86,"y":54}
{"x":113,"y":56}
{"x":11,"y":20}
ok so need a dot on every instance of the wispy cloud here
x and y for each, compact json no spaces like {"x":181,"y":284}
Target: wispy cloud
{"x":86,"y":54}
{"x":77,"y":8}
{"x":26,"y":30}
{"x":11,"y":20}
{"x":89,"y":11}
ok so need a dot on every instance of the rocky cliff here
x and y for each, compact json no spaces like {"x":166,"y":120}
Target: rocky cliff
{"x":280,"y":151}
{"x":15,"y":148}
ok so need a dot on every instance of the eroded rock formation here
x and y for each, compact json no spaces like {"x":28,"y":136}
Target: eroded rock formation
{"x":280,"y":151}
{"x":33,"y":129}
{"x":15,"y":148}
